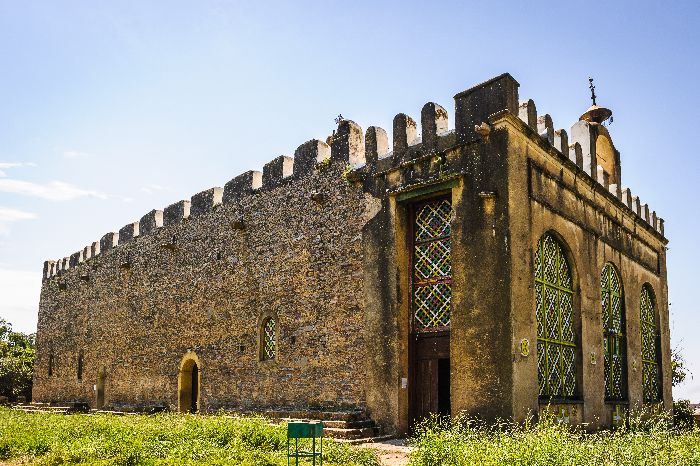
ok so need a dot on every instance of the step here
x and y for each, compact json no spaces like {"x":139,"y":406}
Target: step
{"x":350,"y":424}
{"x":351,"y":434}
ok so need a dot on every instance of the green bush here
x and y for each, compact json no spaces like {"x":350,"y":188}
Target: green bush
{"x":683,"y":415}
{"x":464,"y":442}
{"x":163,"y":439}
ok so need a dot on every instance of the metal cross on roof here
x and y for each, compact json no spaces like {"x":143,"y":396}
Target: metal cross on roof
{"x":592,"y":88}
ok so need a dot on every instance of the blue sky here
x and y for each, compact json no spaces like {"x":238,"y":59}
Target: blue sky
{"x":110,"y":109}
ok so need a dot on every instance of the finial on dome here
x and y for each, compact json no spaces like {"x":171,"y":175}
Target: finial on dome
{"x":596,"y":114}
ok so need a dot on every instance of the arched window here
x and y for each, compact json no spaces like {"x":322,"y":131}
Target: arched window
{"x":613,"y":334}
{"x":651,"y":384}
{"x":269,"y":343}
{"x":51,"y":358}
{"x":80,"y":365}
{"x":556,"y":339}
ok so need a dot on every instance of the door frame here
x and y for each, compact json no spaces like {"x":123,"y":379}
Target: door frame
{"x":413,"y":344}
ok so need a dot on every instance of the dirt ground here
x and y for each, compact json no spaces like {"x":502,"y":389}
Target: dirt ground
{"x":391,"y":452}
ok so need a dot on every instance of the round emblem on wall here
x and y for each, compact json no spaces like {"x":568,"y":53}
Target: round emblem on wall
{"x":525,"y":347}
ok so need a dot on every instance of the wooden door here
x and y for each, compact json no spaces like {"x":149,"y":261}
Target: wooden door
{"x":430,"y":376}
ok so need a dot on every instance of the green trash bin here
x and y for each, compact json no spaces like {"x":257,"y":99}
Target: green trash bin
{"x":305,"y":430}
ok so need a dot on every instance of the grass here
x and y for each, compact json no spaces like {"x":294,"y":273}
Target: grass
{"x":464,"y":442}
{"x":163,"y":439}
{"x":173,"y":439}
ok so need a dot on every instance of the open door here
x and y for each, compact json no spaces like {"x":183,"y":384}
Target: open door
{"x":189,"y":384}
{"x":430,"y":367}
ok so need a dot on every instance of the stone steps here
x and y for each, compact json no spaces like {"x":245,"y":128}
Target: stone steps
{"x":346,"y":426}
{"x":351,"y":434}
{"x":65,"y":408}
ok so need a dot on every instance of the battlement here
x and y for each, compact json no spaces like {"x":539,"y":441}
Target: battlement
{"x":587,"y":147}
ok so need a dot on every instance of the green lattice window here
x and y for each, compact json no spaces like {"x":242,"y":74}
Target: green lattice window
{"x":613,"y":334}
{"x":651,"y":383}
{"x":269,"y":345}
{"x":432,"y":266}
{"x":556,"y":336}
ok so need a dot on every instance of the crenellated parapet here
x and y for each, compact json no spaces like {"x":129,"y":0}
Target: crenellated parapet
{"x":590,"y":148}
{"x":412,"y":157}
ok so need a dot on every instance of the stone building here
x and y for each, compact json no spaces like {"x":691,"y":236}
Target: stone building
{"x":496,"y":269}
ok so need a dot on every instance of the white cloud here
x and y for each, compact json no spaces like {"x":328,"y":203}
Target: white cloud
{"x":20,"y":298}
{"x":6,"y":165}
{"x":8,"y":216}
{"x":13,"y":215}
{"x":52,"y":191}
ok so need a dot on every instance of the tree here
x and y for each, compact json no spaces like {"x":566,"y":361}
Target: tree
{"x":678,"y":369}
{"x":17,"y":353}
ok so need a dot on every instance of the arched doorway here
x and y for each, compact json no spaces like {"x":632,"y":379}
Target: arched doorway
{"x":189,"y":383}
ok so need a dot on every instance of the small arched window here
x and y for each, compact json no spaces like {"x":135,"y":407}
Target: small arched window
{"x":269,"y":342}
{"x":81,"y":360}
{"x":614,"y":351}
{"x":556,"y":338}
{"x":651,"y":383}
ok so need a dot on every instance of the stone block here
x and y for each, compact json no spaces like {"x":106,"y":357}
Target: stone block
{"x":404,"y":132}
{"x":561,"y":142}
{"x":176,"y":213}
{"x":576,"y":154}
{"x":151,"y":222}
{"x":109,"y":241}
{"x":433,"y":121}
{"x":627,"y":197}
{"x":243,"y":184}
{"x":376,"y":144}
{"x":545,"y":127}
{"x":205,"y":201}
{"x":348,"y":143}
{"x":128,"y":232}
{"x":636,"y":206}
{"x":277,"y":170}
{"x":527,"y":111}
{"x":307,"y":155}
{"x":95,"y":248}
{"x":477,"y":104}
{"x":48,"y":266}
{"x":75,"y":259}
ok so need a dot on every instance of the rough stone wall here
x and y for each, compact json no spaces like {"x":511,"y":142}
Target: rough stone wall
{"x":550,"y":194}
{"x":204,"y":285}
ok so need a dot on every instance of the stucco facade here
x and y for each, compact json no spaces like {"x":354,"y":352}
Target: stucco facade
{"x":327,"y":247}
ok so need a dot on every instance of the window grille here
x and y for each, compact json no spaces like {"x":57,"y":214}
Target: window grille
{"x":432,"y":266}
{"x":556,"y":338}
{"x":651,"y":385}
{"x":269,"y":345}
{"x":613,"y":334}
